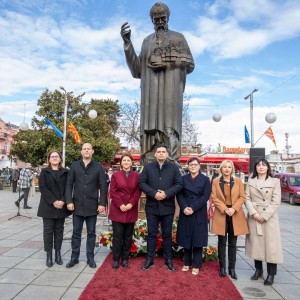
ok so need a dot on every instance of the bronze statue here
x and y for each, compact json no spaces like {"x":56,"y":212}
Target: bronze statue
{"x":162,"y":65}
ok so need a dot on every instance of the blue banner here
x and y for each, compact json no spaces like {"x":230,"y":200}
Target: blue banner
{"x":247,"y":137}
{"x":57,"y":131}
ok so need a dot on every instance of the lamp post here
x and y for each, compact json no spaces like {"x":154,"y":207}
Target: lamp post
{"x":65,"y":127}
{"x":251,"y":117}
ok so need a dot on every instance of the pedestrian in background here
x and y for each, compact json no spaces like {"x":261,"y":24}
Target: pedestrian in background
{"x":228,"y":195}
{"x":52,"y":207}
{"x":26,"y":178}
{"x":263,"y":243}
{"x":15,"y":177}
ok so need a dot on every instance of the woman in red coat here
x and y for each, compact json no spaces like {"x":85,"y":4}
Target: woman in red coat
{"x":125,"y":195}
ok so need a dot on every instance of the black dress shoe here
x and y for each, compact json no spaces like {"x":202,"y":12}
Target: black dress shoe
{"x":257,"y":274}
{"x":222,"y":272}
{"x":91,"y":263}
{"x":72,"y":263}
{"x":115,"y":265}
{"x":232,"y":273}
{"x":147,"y":265}
{"x":49,"y":262}
{"x":269,"y":280}
{"x":27,"y":207}
{"x":17,"y":203}
{"x":125,"y":263}
{"x":170,"y":265}
{"x":58,"y":259}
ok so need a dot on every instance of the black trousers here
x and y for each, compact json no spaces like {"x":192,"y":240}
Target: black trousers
{"x":231,"y":245}
{"x":122,"y":240}
{"x":53,"y":232}
{"x":193,"y":257}
{"x":14,"y":185}
{"x":271,"y":268}
{"x":90,"y":222}
{"x":24,"y":196}
{"x":166,"y":222}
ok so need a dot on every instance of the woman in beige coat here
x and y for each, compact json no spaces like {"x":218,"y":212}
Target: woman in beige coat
{"x":228,"y":195}
{"x":263,"y":243}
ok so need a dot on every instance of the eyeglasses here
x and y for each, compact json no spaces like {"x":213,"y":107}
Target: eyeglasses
{"x":54,"y":156}
{"x":194,"y":165}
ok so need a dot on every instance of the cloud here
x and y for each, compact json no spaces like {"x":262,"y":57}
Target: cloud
{"x":232,"y":37}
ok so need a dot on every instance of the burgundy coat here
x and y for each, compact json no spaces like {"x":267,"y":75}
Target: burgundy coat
{"x":124,"y":190}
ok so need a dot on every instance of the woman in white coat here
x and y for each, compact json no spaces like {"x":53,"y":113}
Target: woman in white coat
{"x":263,"y":243}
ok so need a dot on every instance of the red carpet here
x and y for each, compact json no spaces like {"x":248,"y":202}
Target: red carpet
{"x":158,"y":283}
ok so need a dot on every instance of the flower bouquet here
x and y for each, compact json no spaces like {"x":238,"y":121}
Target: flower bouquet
{"x":105,"y":239}
{"x":210,"y":253}
{"x":139,"y":240}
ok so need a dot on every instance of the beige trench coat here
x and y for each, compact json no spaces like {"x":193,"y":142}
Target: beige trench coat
{"x":264,"y":242}
{"x":237,"y":198}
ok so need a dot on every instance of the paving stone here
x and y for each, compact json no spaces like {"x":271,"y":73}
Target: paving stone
{"x":37,"y":292}
{"x":72,"y":293}
{"x":9,"y":290}
{"x":19,"y":276}
{"x":54,"y":278}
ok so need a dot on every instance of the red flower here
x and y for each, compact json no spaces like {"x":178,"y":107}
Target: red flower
{"x":158,"y":244}
{"x":102,"y":241}
{"x":133,"y":248}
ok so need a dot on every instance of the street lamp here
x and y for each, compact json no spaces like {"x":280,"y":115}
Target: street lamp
{"x":251,"y":116}
{"x":65,"y":127}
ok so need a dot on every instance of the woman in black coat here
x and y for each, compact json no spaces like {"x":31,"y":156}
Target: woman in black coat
{"x":52,"y":208}
{"x":192,"y":230}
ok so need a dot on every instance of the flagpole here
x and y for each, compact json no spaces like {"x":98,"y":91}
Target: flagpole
{"x":65,"y":128}
{"x":259,"y":139}
{"x":251,"y":117}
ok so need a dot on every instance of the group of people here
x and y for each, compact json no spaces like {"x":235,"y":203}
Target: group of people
{"x":161,"y":182}
{"x":77,"y":191}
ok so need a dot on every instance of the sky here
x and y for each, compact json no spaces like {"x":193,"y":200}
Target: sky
{"x":238,"y":46}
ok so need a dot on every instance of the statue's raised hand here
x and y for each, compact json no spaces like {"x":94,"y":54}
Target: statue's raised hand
{"x":125,"y":33}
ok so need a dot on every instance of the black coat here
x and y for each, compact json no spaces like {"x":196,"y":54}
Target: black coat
{"x":52,"y":189}
{"x":167,"y":179}
{"x":83,"y":185}
{"x":192,"y":230}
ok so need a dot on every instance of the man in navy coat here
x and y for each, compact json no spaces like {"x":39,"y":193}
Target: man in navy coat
{"x":160,"y":181}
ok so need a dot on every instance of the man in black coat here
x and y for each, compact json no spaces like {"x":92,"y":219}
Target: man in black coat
{"x":85,"y":178}
{"x":160,"y":181}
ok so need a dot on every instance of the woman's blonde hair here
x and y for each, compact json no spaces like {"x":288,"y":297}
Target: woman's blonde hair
{"x":223,"y":163}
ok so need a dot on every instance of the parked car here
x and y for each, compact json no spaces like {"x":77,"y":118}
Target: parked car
{"x":290,"y":187}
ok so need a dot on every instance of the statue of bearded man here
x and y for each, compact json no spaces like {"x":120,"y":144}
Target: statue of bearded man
{"x":162,"y":65}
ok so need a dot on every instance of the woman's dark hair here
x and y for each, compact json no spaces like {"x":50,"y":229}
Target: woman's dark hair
{"x":193,"y":159}
{"x":257,"y":162}
{"x":127,"y":154}
{"x":48,"y":158}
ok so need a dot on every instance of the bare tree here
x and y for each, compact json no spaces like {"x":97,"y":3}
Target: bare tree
{"x":129,"y":129}
{"x":189,"y":129}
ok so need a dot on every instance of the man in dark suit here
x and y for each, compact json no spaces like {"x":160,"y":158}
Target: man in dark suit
{"x":85,"y":178}
{"x":160,"y":181}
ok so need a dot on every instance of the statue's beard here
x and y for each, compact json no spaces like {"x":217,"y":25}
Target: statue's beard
{"x":162,"y":27}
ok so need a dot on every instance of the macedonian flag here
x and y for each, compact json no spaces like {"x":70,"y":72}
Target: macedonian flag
{"x":269,"y":133}
{"x":77,"y":137}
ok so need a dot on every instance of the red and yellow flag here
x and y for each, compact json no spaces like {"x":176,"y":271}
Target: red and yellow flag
{"x":269,"y":133}
{"x":77,"y":137}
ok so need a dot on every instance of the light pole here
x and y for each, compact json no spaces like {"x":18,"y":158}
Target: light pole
{"x":251,"y":117}
{"x":65,"y":127}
